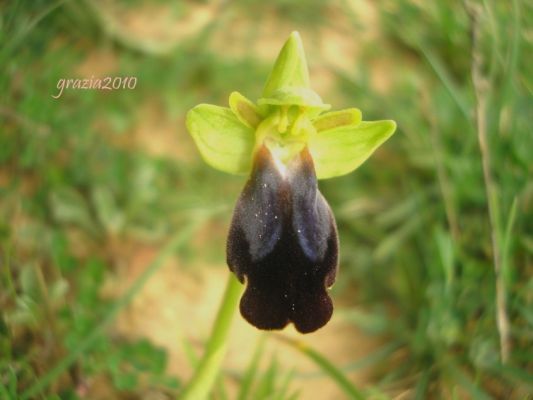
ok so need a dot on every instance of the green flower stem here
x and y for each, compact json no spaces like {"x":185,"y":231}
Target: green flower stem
{"x":205,"y":375}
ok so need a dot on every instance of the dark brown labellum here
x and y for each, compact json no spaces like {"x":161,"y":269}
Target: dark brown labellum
{"x":283,"y":241}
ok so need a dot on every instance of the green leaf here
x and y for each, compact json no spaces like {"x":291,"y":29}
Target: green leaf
{"x":30,"y":282}
{"x":58,"y":290}
{"x":339,"y":151}
{"x":109,"y":214}
{"x":125,"y":381}
{"x":244,"y":109}
{"x":70,"y":207}
{"x":290,"y":68}
{"x":223,"y":141}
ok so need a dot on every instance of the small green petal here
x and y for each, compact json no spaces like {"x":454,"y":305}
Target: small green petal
{"x":334,"y":119}
{"x":340,"y":150}
{"x":297,"y":96}
{"x":290,"y":68}
{"x":223,"y":141}
{"x":244,"y":109}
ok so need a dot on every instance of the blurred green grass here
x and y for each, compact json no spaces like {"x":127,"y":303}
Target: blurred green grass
{"x":417,"y":250}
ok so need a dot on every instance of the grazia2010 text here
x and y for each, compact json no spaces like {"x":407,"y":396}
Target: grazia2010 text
{"x":104,"y":83}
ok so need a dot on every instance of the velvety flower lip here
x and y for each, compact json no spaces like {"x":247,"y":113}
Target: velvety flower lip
{"x":283,"y":242}
{"x":283,"y":238}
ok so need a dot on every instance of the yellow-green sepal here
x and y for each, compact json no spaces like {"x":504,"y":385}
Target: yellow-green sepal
{"x":224,"y":142}
{"x":288,"y":83}
{"x":341,"y":150}
{"x":290,"y":68}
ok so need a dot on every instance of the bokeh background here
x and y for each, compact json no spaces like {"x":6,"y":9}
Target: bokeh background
{"x":112,"y":229}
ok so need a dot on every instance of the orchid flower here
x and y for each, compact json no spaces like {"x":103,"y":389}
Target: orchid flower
{"x":283,"y":240}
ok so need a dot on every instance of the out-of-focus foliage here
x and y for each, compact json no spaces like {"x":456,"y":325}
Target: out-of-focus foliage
{"x":417,"y":248}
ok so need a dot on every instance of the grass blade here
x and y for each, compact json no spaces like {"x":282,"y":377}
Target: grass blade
{"x":422,"y":386}
{"x":463,"y":381}
{"x":178,"y":241}
{"x":446,"y":80}
{"x":267,"y":383}
{"x":338,"y":376}
{"x":251,"y":371}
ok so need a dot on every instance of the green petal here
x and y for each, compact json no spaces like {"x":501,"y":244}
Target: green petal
{"x":245,"y":110}
{"x":297,"y":96}
{"x":290,"y":68}
{"x":334,"y":119}
{"x":340,"y":150}
{"x":223,"y":141}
